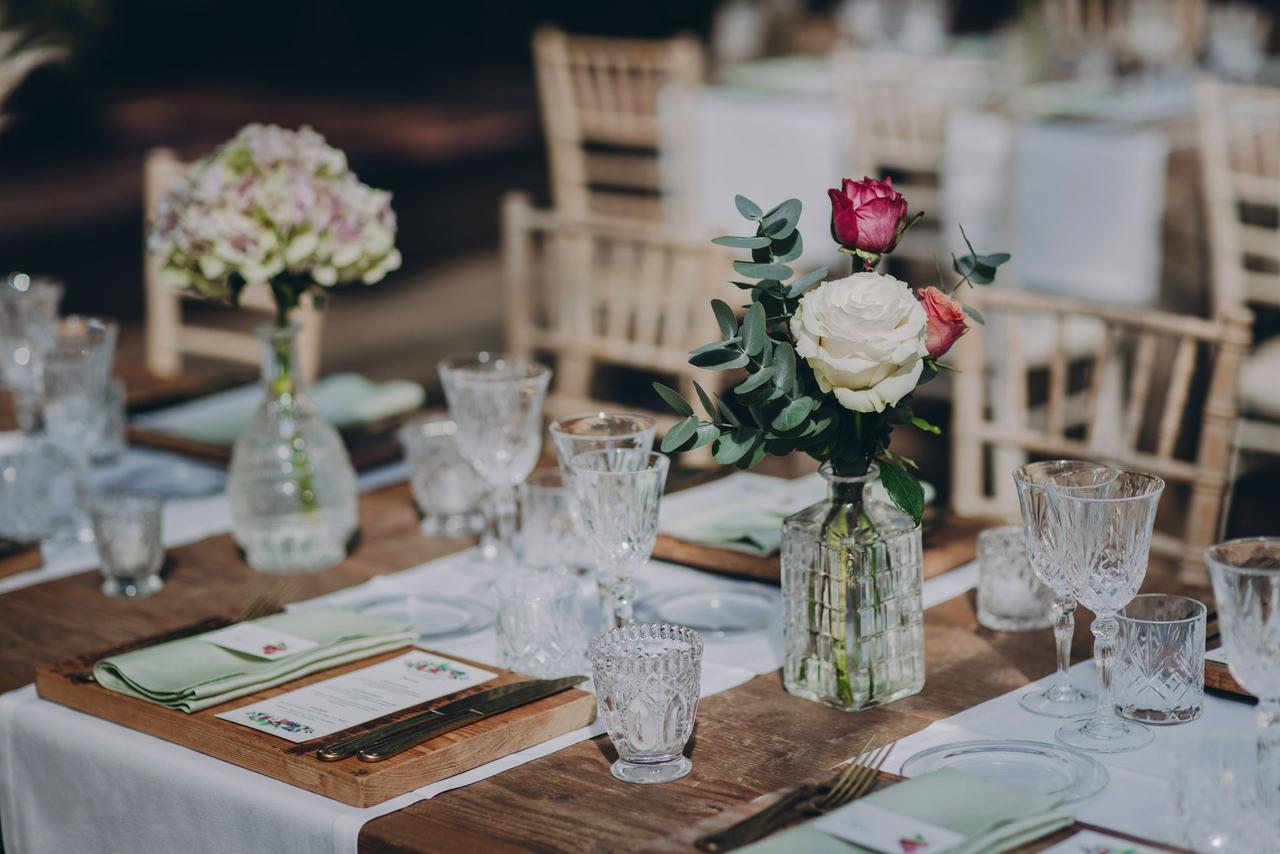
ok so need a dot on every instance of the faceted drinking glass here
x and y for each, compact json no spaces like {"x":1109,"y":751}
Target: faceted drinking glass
{"x":1246,"y":585}
{"x":618,"y":493}
{"x":128,"y":531}
{"x":496,"y":401}
{"x":1105,"y":527}
{"x":75,"y":416}
{"x":1216,"y":803}
{"x":1061,"y":699}
{"x":28,"y":317}
{"x":447,"y":489}
{"x":1160,"y":664}
{"x":539,"y":623}
{"x":647,"y":680}
{"x":1011,"y":598}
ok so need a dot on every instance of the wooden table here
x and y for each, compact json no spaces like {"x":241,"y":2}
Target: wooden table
{"x":749,"y":741}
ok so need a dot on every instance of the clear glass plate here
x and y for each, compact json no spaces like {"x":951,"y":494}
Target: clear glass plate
{"x":1028,"y":766}
{"x":715,"y":612}
{"x":432,"y":617}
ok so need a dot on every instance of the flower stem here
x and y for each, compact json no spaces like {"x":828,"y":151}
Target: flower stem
{"x":284,"y":391}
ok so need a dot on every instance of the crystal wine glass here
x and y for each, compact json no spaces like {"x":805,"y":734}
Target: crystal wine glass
{"x":74,"y":417}
{"x":1246,"y":585}
{"x":495,"y":399}
{"x":597,"y":431}
{"x":1105,"y":525}
{"x":1061,"y":699}
{"x":28,"y":316}
{"x":618,"y":493}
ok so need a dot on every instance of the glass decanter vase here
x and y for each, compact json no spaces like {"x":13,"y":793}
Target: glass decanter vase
{"x":853,"y":619}
{"x":292,"y":487}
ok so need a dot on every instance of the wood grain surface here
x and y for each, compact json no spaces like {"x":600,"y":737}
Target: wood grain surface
{"x":351,"y":781}
{"x":749,"y":741}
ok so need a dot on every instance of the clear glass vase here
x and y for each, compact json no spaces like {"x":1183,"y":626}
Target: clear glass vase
{"x":853,"y":620}
{"x":292,"y":487}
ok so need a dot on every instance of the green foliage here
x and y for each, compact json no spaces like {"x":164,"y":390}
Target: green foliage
{"x":977,"y":269}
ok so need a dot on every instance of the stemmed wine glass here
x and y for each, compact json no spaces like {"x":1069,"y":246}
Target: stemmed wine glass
{"x":1105,"y":524}
{"x":1246,"y":585}
{"x":28,"y":317}
{"x":74,"y":413}
{"x":618,"y":492}
{"x":596,"y":431}
{"x":1061,"y":699}
{"x":495,"y":399}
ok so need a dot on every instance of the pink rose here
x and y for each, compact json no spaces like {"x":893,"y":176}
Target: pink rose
{"x":867,"y":215}
{"x":946,"y":321}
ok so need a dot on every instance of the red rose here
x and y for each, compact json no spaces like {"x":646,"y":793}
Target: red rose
{"x":946,"y":321}
{"x":867,"y":215}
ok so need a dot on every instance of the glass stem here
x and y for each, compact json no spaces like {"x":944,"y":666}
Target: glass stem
{"x":1064,"y":629}
{"x":622,"y":592}
{"x":1104,"y":656}
{"x":1269,"y":752}
{"x":503,"y":509}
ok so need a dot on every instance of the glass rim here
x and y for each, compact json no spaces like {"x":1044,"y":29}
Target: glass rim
{"x":1222,"y":563}
{"x":1201,"y":609}
{"x":1156,"y":482}
{"x":647,"y":421}
{"x":829,"y":474}
{"x":415,"y":428}
{"x":566,"y":584}
{"x":1020,"y":473}
{"x":657,"y":461}
{"x":600,"y":644}
{"x":130,"y":499}
{"x":463,"y":368}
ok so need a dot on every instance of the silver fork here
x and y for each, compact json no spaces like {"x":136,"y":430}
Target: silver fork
{"x":854,"y":781}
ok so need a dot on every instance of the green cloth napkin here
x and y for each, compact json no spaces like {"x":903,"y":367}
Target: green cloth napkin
{"x":344,"y":400}
{"x":192,"y":674}
{"x":991,"y":817}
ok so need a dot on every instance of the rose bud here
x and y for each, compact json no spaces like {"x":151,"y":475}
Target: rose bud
{"x":867,"y":215}
{"x":946,"y":321}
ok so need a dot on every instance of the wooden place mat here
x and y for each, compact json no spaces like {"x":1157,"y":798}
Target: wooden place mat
{"x":1218,"y":677}
{"x":18,"y":557}
{"x":351,"y":781}
{"x":946,"y":547}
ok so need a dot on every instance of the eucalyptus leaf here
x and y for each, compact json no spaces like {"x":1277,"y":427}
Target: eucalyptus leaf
{"x":742,"y":242}
{"x":784,"y":362}
{"x":725,"y":412}
{"x":731,"y":447}
{"x":746,"y":207}
{"x":724,"y":359}
{"x":793,"y":414}
{"x":758,"y":453}
{"x":762,"y":271}
{"x":754,"y":381}
{"x":753,"y":330}
{"x":683,"y":433}
{"x":808,"y":280}
{"x":903,"y":489}
{"x":707,"y":433}
{"x":673,"y":399}
{"x":727,"y":344}
{"x":975,"y":314}
{"x":921,"y":424}
{"x":780,"y":222}
{"x":710,"y":407}
{"x":725,"y":318}
{"x":787,"y":249}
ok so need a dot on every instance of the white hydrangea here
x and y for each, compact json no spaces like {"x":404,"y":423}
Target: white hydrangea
{"x":273,"y":202}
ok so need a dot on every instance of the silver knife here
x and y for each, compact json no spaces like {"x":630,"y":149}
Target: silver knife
{"x":444,"y":718}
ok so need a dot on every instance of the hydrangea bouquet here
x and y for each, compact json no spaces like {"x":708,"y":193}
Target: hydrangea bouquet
{"x":831,"y":367}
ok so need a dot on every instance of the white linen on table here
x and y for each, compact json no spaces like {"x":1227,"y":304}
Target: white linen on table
{"x":1138,"y":800}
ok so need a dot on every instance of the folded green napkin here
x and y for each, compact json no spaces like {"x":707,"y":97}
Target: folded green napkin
{"x":192,"y":674}
{"x":344,"y":400}
{"x":991,"y":817}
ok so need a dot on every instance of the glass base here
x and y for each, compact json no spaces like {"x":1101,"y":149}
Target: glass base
{"x":132,"y":588}
{"x":1072,"y":703}
{"x":1104,"y":736}
{"x":658,"y":772}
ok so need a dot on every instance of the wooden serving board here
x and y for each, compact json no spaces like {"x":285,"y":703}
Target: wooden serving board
{"x":945,"y":548}
{"x":18,"y":557}
{"x":1218,"y":677}
{"x":351,"y":781}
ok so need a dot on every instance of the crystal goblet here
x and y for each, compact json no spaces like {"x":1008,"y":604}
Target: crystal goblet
{"x":75,"y":414}
{"x":28,"y":317}
{"x":495,"y":399}
{"x":1061,"y":699}
{"x":1246,"y":585}
{"x":1105,"y":525}
{"x":618,"y":493}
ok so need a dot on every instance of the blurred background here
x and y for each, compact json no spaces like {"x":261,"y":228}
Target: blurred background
{"x":1068,"y":132}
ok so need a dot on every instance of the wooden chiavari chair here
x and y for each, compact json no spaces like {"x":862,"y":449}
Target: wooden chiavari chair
{"x":599,"y":113}
{"x":1080,"y":23}
{"x":169,"y":337}
{"x":1156,"y":367}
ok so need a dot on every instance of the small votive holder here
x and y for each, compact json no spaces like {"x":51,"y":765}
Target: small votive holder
{"x":1217,"y":802}
{"x":1159,"y":672}
{"x":539,"y":624}
{"x":1010,"y":596}
{"x":549,"y":535}
{"x":647,"y":680}
{"x":127,"y":528}
{"x":445,"y":486}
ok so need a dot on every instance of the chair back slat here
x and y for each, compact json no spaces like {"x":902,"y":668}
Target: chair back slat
{"x":1138,"y":387}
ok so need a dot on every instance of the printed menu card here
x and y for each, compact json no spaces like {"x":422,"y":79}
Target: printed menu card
{"x":358,"y":697}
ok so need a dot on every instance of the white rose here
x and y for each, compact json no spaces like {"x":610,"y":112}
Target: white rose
{"x":864,"y":337}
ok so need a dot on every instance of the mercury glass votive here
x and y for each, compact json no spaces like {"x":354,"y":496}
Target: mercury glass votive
{"x":1159,"y":675}
{"x":445,"y":486}
{"x":647,"y":680}
{"x":127,"y":529}
{"x":1011,"y":598}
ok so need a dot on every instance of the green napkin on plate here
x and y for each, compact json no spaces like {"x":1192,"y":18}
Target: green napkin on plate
{"x":991,"y":817}
{"x":192,"y":674}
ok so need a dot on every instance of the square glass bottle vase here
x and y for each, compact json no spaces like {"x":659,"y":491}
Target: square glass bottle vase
{"x":853,"y":618}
